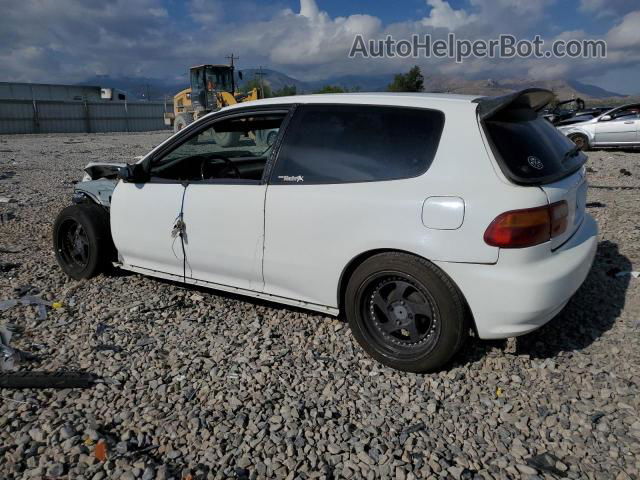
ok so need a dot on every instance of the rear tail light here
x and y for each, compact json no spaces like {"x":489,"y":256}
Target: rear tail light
{"x":528,"y":227}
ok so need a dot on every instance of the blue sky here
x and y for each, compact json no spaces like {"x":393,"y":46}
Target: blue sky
{"x":70,"y":40}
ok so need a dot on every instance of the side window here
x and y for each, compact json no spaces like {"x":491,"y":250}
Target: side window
{"x":234,"y":148}
{"x":627,"y":113}
{"x":357,"y":143}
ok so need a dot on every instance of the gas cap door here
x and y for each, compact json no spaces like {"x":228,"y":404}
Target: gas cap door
{"x":443,"y":213}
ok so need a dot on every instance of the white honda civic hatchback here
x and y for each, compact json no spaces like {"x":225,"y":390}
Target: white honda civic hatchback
{"x":418,"y":217}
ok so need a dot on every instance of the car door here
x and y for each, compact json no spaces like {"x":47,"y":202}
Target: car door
{"x":209,"y":191}
{"x":621,"y":129}
{"x":142,"y":218}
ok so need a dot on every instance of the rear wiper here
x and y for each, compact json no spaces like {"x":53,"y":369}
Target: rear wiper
{"x":574,"y":151}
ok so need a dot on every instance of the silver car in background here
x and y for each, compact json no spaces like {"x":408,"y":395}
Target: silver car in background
{"x":619,"y":127}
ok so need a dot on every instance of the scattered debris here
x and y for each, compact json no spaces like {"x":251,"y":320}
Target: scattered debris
{"x":625,"y":172}
{"x":595,"y":205}
{"x":100,"y":452}
{"x":11,"y":249}
{"x":39,"y":303}
{"x":7,"y":267}
{"x":101,"y":328}
{"x":591,"y":170}
{"x":7,"y":200}
{"x":616,"y":187}
{"x":499,"y":392}
{"x":56,"y":305}
{"x":28,"y":401}
{"x":7,"y":175}
{"x":11,"y":357}
{"x":5,"y":217}
{"x":628,"y":274}
{"x":547,"y":463}
{"x":595,"y":418}
{"x":22,"y":290}
{"x":7,"y":304}
{"x":143,"y":342}
{"x":51,"y":380}
{"x":108,"y":347}
{"x":415,"y":428}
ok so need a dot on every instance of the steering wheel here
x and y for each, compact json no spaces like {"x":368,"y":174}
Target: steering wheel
{"x":229,"y":166}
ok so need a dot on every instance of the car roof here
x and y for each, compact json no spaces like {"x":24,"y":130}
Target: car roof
{"x":535,"y":98}
{"x":366,"y":98}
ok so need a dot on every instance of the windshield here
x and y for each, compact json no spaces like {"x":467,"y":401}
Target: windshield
{"x":218,"y":80}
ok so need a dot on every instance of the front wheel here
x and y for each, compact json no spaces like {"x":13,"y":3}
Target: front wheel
{"x":82,"y":240}
{"x":405,"y":312}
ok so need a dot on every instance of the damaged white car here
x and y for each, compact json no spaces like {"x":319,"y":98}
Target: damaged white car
{"x":420,"y":217}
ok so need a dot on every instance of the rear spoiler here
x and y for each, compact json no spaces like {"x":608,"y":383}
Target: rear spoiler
{"x":534,"y":98}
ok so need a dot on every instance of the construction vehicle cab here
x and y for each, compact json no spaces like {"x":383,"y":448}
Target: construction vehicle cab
{"x":207,"y":81}
{"x":212,"y":87}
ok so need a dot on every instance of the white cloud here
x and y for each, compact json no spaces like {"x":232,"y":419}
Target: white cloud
{"x":627,"y":33}
{"x":443,"y":16}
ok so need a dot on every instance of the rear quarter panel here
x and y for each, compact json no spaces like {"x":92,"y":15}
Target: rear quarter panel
{"x":312,"y":232}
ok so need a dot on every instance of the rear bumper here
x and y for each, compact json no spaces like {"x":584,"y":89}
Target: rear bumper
{"x":526,"y":288}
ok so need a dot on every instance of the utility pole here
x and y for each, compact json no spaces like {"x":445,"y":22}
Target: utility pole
{"x":231,"y":58}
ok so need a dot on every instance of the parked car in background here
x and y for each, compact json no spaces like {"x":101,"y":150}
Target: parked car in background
{"x":563,"y":110}
{"x":419,"y":217}
{"x":618,"y":127}
{"x":582,"y":116}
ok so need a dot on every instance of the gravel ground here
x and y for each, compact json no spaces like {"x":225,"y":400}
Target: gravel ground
{"x":217,"y":386}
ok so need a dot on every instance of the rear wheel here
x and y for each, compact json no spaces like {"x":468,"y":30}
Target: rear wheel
{"x":82,"y":240}
{"x":580,"y":140}
{"x":405,"y":312}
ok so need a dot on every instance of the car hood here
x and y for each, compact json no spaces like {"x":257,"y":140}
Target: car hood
{"x":96,"y":170}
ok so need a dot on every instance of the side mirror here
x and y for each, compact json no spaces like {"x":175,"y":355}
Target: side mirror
{"x":240,"y":74}
{"x":132,"y":173}
{"x":605,"y":118}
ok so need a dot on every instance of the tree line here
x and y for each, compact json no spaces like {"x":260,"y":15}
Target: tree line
{"x":412,"y":81}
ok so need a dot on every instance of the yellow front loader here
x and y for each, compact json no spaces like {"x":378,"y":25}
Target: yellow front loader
{"x":212,"y":87}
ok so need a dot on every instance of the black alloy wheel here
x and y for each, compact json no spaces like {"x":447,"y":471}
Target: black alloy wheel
{"x":405,"y":312}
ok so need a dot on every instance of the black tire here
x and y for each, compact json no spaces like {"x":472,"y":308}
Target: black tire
{"x":429,"y":305}
{"x":581,"y":140}
{"x":182,"y":121}
{"x":82,"y":240}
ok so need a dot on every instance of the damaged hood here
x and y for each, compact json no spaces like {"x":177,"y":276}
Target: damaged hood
{"x":107,"y":170}
{"x":97,"y":170}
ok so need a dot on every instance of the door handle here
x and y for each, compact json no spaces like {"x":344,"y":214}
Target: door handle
{"x":629,"y":122}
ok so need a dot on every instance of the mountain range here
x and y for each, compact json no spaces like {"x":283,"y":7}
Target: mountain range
{"x":142,"y":88}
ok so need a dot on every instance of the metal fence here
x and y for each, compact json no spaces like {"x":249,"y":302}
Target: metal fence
{"x":49,"y":116}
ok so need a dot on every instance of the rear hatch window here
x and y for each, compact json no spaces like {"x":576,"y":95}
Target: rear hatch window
{"x":529,"y":149}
